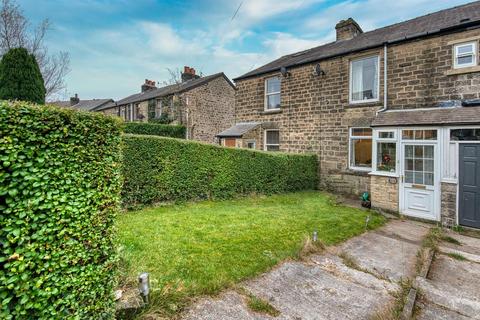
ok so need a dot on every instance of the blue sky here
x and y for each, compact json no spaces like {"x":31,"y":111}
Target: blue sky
{"x":115,"y":45}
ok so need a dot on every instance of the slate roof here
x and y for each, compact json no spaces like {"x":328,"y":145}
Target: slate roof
{"x":172,"y":89}
{"x":84,"y":105}
{"x":239,"y":129}
{"x":428,"y":116}
{"x":108,"y":105}
{"x":91,"y":105}
{"x":464,"y":16}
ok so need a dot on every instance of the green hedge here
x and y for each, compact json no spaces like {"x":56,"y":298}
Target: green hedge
{"x":163,"y":169}
{"x":155,"y":129}
{"x":59,"y":194}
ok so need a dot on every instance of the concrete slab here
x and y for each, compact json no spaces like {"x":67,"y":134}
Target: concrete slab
{"x":468,"y":245}
{"x":306,"y":292}
{"x":391,"y":251}
{"x":431,"y":311}
{"x":228,"y":306}
{"x":324,"y":287}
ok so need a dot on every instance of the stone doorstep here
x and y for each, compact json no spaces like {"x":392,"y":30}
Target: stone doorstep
{"x":431,"y":311}
{"x":469,"y":256}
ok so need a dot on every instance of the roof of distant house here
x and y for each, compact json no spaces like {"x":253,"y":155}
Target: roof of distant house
{"x":447,"y":20}
{"x":171,"y":89}
{"x":85,"y":105}
{"x":239,"y":129}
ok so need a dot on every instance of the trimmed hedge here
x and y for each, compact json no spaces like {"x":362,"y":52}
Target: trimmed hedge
{"x":59,"y":194}
{"x":155,"y":129}
{"x":163,"y":169}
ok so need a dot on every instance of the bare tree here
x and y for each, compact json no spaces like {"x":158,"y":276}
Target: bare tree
{"x":16,"y":31}
{"x":175,"y":76}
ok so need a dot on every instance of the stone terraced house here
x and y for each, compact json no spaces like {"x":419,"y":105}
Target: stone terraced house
{"x":204,"y":105}
{"x":394,"y":111}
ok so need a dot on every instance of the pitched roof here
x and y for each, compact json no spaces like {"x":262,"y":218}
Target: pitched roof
{"x":91,"y":105}
{"x":84,"y":105}
{"x":108,"y":105}
{"x":239,"y":129}
{"x":467,"y":15}
{"x":172,"y":89}
{"x":428,"y":116}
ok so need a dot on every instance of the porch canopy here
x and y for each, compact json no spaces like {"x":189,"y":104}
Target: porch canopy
{"x":238,"y":130}
{"x":428,"y":116}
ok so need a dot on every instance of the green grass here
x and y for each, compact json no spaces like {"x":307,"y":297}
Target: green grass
{"x":201,"y":248}
{"x":456,"y":256}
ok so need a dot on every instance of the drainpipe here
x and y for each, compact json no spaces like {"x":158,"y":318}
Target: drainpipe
{"x":385,"y":107}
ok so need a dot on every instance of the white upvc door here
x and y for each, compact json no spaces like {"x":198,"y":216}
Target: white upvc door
{"x":420,"y":180}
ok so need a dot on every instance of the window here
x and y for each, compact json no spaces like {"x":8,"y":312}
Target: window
{"x":272,"y":140}
{"x":419,"y":134}
{"x":386,"y":152}
{"x":361,"y":148}
{"x":272,"y":93}
{"x":419,"y":164}
{"x":251,"y":144}
{"x":465,"y":135}
{"x":465,"y":55}
{"x":364,"y":77}
{"x":158,"y":109}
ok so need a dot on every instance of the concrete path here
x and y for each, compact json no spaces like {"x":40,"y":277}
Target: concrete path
{"x":452,"y":288}
{"x":352,"y":281}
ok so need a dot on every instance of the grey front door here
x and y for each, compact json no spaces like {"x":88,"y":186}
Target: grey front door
{"x":469,"y":185}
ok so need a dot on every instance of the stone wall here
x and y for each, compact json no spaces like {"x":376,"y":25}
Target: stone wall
{"x":211,"y":109}
{"x":316,"y":114}
{"x":384,"y":193}
{"x":449,"y":204}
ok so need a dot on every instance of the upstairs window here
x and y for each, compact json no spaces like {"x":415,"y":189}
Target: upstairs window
{"x":465,"y":55}
{"x":364,"y":80}
{"x":272,"y":93}
{"x":272,"y":140}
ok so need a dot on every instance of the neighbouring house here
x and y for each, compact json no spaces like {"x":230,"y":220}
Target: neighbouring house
{"x":204,"y":105}
{"x":85,"y":105}
{"x":394,"y":111}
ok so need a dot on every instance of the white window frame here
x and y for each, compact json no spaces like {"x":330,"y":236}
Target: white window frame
{"x":456,"y":55}
{"x":158,"y":107}
{"x":254,"y":144}
{"x":350,"y":82}
{"x":265,"y":144}
{"x":376,"y":141}
{"x":351,"y":138}
{"x":265,"y":107}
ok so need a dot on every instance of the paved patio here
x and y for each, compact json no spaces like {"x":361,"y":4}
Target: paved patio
{"x":352,"y":281}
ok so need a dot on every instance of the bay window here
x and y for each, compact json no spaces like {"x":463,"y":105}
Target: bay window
{"x":361,"y":149}
{"x":272,"y":93}
{"x":364,"y":80}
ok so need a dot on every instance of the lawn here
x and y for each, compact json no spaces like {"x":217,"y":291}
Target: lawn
{"x":201,"y":248}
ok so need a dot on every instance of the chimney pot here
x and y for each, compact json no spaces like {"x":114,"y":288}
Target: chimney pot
{"x":74,"y":100}
{"x":148,"y":85}
{"x":347,"y":29}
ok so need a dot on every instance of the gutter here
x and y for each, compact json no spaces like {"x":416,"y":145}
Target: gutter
{"x":385,"y":95}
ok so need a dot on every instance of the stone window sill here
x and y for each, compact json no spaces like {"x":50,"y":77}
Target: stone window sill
{"x":364,"y":104}
{"x":264,"y":112}
{"x":452,"y":72}
{"x":384,"y":174}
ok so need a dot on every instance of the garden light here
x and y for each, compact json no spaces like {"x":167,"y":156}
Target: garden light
{"x":144,"y":286}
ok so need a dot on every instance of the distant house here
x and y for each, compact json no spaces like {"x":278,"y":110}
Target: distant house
{"x":85,"y":105}
{"x":204,"y":105}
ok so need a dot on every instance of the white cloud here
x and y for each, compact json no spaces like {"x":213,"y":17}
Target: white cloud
{"x":285,"y":43}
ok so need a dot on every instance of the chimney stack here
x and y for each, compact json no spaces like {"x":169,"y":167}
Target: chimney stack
{"x":148,"y":85}
{"x":74,"y":100}
{"x":347,"y":29}
{"x":188,"y":74}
